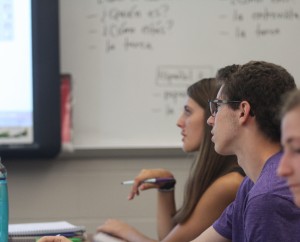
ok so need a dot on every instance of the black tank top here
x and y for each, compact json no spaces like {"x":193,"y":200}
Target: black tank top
{"x":238,"y":169}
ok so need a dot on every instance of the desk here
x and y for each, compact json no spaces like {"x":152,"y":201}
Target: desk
{"x":89,"y":238}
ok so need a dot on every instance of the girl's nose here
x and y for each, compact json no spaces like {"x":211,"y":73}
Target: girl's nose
{"x":180,"y":122}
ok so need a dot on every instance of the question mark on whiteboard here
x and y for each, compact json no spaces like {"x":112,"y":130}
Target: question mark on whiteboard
{"x":165,"y":9}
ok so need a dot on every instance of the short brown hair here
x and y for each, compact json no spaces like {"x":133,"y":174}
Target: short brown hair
{"x":262,"y":84}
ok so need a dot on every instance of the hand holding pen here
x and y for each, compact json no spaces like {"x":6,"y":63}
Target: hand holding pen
{"x":149,"y":178}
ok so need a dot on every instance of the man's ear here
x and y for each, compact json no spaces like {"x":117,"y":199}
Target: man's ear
{"x":245,"y":110}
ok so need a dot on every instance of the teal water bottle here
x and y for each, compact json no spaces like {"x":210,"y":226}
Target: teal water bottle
{"x":3,"y":204}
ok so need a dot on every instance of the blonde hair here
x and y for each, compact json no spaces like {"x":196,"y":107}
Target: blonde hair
{"x":292,"y":100}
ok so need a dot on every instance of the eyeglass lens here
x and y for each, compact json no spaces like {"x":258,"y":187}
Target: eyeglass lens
{"x":213,"y":108}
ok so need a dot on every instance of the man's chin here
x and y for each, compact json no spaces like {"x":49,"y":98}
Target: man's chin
{"x":220,"y":150}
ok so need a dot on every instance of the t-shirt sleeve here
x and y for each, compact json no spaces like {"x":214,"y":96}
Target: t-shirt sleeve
{"x":223,"y":225}
{"x":270,"y":218}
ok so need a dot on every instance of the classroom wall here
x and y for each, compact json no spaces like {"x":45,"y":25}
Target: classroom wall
{"x":86,"y":191}
{"x":128,"y":96}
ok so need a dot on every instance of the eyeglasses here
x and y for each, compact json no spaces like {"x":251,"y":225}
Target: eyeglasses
{"x":215,"y":104}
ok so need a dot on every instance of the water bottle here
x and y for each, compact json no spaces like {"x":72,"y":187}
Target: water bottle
{"x":3,"y":204}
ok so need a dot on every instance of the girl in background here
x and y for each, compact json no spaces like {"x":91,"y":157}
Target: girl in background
{"x":211,"y":186}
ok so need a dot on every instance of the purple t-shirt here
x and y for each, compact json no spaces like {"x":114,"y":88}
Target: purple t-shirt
{"x":263,"y":211}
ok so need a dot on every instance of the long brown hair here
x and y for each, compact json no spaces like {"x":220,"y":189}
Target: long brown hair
{"x":208,"y":165}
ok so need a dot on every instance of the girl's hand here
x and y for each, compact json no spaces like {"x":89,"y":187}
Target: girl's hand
{"x":138,"y":184}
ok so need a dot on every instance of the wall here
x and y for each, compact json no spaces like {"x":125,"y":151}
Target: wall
{"x":127,"y":95}
{"x":86,"y":191}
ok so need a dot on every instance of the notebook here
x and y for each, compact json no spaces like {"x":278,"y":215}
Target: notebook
{"x":45,"y":228}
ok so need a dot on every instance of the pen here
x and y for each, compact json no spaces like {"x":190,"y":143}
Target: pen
{"x":151,"y":180}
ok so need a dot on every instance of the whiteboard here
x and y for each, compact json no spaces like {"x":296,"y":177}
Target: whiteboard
{"x":132,"y":60}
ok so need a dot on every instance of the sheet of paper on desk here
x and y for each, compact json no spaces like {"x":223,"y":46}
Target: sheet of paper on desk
{"x":44,"y":228}
{"x":103,"y":237}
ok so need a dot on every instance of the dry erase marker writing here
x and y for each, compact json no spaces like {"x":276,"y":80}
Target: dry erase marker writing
{"x":151,"y":180}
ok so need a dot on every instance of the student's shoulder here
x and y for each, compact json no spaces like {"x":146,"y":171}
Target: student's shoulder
{"x":226,"y":184}
{"x":229,"y":179}
{"x":219,"y":194}
{"x":271,"y":205}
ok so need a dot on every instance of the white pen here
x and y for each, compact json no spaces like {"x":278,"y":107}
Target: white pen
{"x":150,"y":180}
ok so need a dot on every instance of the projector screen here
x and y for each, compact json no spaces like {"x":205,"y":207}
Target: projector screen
{"x":16,"y":100}
{"x":29,"y":78}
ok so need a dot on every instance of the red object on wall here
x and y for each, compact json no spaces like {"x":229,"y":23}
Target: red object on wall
{"x":66,"y":108}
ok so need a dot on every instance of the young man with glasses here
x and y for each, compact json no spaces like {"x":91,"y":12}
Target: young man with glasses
{"x":245,"y":122}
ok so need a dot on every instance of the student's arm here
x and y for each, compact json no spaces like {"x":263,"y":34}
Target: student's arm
{"x":146,"y":174}
{"x":123,"y":231}
{"x":211,"y":205}
{"x":166,"y":209}
{"x":221,"y":193}
{"x":217,"y":197}
{"x":165,"y":203}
